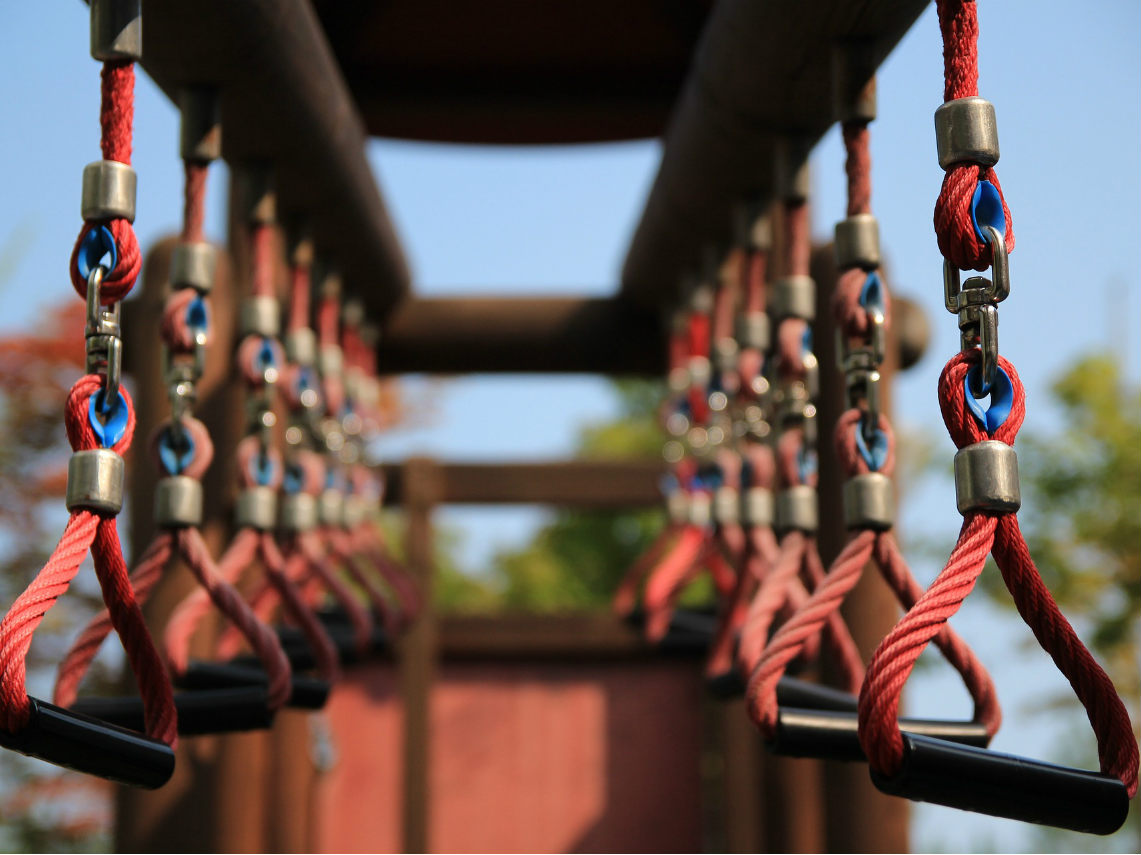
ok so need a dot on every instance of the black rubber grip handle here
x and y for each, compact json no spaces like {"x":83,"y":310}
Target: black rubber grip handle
{"x":832,"y":734}
{"x":229,"y":710}
{"x":77,"y":741}
{"x":1003,"y":785}
{"x":791,"y":692}
{"x":308,"y":693}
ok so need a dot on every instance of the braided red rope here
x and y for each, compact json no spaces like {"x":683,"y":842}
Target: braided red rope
{"x":954,"y":227}
{"x":842,"y":576}
{"x":86,"y":531}
{"x":983,"y":534}
{"x":116,"y":118}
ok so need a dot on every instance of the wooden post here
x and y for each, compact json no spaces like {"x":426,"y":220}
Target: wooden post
{"x":422,"y":488}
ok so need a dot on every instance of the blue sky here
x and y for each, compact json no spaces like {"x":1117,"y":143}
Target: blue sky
{"x":1063,"y":77}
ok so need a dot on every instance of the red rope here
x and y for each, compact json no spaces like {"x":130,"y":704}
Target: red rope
{"x":85,"y":531}
{"x":893,"y":661}
{"x":858,"y":166}
{"x":300,"y":280}
{"x":78,"y":659}
{"x":954,"y":228}
{"x":116,"y":117}
{"x":194,"y":201}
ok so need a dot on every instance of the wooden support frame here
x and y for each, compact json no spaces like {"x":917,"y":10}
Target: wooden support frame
{"x":573,"y":483}
{"x":533,"y":334}
{"x":719,"y":148}
{"x":254,"y":52}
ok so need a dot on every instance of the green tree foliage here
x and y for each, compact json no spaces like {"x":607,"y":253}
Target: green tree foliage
{"x":576,"y":561}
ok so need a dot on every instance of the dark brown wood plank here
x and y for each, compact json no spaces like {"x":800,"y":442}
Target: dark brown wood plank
{"x":762,"y":70}
{"x":459,"y":335}
{"x":505,"y":71}
{"x":575,"y":483}
{"x":284,"y":101}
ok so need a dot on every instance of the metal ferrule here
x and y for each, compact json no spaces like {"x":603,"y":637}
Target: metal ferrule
{"x":757,"y":507}
{"x":95,"y":481}
{"x":259,"y":316}
{"x":986,"y":478}
{"x":966,"y":131}
{"x":354,"y":511}
{"x":869,"y":502}
{"x":792,"y":178}
{"x":754,"y":330}
{"x":298,"y":512}
{"x":330,"y":360}
{"x":726,"y":506}
{"x":678,"y":380}
{"x":331,"y":507}
{"x":700,"y":508}
{"x":854,"y":83}
{"x":760,"y":234}
{"x":178,"y":502}
{"x":192,"y":265}
{"x":794,"y":297}
{"x":725,"y":350}
{"x":256,"y":182}
{"x":200,"y":131}
{"x":700,"y":371}
{"x":116,"y":30}
{"x":797,"y":510}
{"x":109,"y":189}
{"x":301,"y":346}
{"x":677,"y":506}
{"x":256,"y":508}
{"x":701,"y":300}
{"x":857,"y":242}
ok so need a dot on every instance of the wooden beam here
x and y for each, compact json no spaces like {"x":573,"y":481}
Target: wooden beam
{"x":417,"y":650}
{"x":762,"y":70}
{"x":458,"y":335}
{"x":587,"y":636}
{"x":284,"y":101}
{"x":576,"y":483}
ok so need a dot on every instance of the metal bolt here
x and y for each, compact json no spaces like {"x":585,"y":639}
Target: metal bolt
{"x":854,"y":82}
{"x":869,"y":502}
{"x":792,"y":178}
{"x":192,"y":265}
{"x":796,"y":509}
{"x":966,"y":130}
{"x":256,"y":181}
{"x":178,"y":502}
{"x":986,"y":478}
{"x":116,"y":30}
{"x":200,"y":132}
{"x":95,"y":481}
{"x":858,"y":242}
{"x":108,"y":191}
